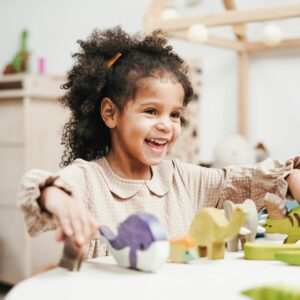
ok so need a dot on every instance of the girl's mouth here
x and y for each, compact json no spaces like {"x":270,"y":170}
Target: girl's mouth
{"x":156,"y":144}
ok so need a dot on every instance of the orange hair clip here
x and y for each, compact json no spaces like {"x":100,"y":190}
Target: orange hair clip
{"x":112,"y":60}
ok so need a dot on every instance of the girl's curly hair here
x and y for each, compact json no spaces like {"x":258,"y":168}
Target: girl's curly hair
{"x":90,"y":80}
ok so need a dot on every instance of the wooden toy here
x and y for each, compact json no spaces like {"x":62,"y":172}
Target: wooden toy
{"x":251,"y":223}
{"x":182,"y":250}
{"x":290,"y":257}
{"x":210,"y":229}
{"x":272,"y":292}
{"x":277,"y":222}
{"x":141,"y":243}
{"x":262,"y":216}
{"x":266,"y":251}
{"x":72,"y":256}
{"x":20,"y":60}
{"x":290,"y":204}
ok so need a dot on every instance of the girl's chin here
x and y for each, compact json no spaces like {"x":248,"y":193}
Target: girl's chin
{"x":155,"y":161}
{"x":154,"y":157}
{"x":153,"y":164}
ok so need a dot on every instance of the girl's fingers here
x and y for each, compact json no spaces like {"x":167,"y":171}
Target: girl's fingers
{"x":66,"y":225}
{"x":87,"y":222}
{"x":77,"y":224}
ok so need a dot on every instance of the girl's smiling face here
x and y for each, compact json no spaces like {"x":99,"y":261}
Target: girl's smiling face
{"x":149,"y":124}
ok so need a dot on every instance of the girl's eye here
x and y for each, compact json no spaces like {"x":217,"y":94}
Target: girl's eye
{"x":175,"y":115}
{"x":150,"y":111}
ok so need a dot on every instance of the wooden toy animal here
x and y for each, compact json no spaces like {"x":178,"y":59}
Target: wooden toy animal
{"x":140,"y":244}
{"x":182,"y":250}
{"x":277,"y":222}
{"x":210,"y":229}
{"x":251,"y":223}
{"x":272,"y":292}
{"x":267,"y":251}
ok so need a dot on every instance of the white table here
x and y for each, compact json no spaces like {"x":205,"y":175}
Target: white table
{"x":101,"y":278}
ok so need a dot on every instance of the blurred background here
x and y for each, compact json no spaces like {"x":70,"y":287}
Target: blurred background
{"x":53,"y":27}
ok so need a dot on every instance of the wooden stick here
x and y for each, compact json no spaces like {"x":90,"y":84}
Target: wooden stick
{"x":239,"y":29}
{"x":261,"y":47}
{"x":243,"y":66}
{"x":231,"y":17}
{"x":240,"y":33}
{"x":212,"y":40}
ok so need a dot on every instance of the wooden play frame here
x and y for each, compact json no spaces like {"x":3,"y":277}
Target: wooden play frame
{"x":238,"y":19}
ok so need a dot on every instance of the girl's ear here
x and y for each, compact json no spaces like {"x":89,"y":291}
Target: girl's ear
{"x":109,"y":112}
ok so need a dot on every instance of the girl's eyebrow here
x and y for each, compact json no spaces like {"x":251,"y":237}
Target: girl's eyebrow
{"x":179,"y":108}
{"x":157,"y":103}
{"x":150,"y":102}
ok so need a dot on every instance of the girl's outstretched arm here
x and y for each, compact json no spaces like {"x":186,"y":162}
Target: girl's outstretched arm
{"x":211,"y":187}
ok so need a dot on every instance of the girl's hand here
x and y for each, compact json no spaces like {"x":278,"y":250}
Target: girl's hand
{"x":75,"y":219}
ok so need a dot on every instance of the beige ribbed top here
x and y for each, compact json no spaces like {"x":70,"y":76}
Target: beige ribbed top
{"x":174,"y":193}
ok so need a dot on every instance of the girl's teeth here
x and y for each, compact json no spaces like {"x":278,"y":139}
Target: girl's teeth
{"x":157,"y":142}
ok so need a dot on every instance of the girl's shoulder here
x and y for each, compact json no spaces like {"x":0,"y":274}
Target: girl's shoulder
{"x":78,"y":165}
{"x":192,"y":173}
{"x":185,"y":172}
{"x":85,"y":164}
{"x":80,"y":168}
{"x":184,"y":167}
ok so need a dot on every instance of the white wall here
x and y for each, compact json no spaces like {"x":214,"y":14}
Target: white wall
{"x":274,"y":106}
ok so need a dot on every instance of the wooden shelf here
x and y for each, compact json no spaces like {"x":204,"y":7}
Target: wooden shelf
{"x":31,"y":120}
{"x":22,"y":85}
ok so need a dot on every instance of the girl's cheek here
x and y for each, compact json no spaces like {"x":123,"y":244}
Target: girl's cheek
{"x":143,"y":124}
{"x":178,"y":128}
{"x":148,"y":122}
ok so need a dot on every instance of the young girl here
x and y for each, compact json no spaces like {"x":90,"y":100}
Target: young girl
{"x":127,"y":95}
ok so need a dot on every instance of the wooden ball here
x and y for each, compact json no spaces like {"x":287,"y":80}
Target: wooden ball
{"x":272,"y":35}
{"x":197,"y":33}
{"x":169,"y":13}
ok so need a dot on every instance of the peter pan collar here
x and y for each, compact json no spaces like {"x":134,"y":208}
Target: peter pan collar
{"x":159,"y":184}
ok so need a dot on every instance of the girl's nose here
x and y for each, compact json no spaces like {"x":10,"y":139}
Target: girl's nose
{"x":164,"y":125}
